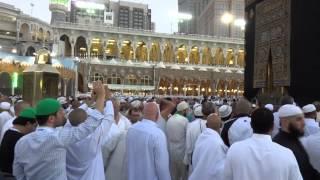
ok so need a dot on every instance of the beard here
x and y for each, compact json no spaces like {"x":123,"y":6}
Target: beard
{"x":295,"y":131}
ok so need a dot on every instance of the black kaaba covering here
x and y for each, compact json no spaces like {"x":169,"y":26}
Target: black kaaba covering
{"x":304,"y":51}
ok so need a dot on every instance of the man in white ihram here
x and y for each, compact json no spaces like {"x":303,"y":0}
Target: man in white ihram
{"x":114,"y":148}
{"x":258,"y":158}
{"x":176,"y":135}
{"x":5,"y":115}
{"x":42,"y":154}
{"x":147,"y":151}
{"x":310,"y":117}
{"x":210,"y":152}
{"x":84,"y":158}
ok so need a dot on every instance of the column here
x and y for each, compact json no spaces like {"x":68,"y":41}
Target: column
{"x":201,"y":55}
{"x":72,"y":50}
{"x":65,"y":81}
{"x":238,"y":89}
{"x":104,"y":51}
{"x":225,"y":90}
{"x":18,"y":32}
{"x":184,"y":90}
{"x":199,"y":90}
{"x":76,"y":79}
{"x":171,"y":89}
{"x":161,"y":56}
{"x":174,"y":60}
{"x":148,"y":50}
{"x":188,"y":55}
{"x":119,"y":49}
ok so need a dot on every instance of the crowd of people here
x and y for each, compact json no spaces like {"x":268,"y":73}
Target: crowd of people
{"x":124,"y":138}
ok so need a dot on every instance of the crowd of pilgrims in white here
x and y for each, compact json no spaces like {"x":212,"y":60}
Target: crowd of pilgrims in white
{"x":124,"y":138}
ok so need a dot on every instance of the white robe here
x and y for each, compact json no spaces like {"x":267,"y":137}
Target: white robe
{"x":209,"y":156}
{"x":176,"y":135}
{"x":260,"y":158}
{"x":84,"y":158}
{"x":311,"y":127}
{"x":6,"y":127}
{"x":312,"y":146}
{"x":194,"y":129}
{"x":147,"y":153}
{"x":4,"y":117}
{"x":114,"y":150}
{"x":277,"y":126}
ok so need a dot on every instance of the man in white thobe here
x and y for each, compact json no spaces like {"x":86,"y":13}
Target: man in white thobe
{"x":258,"y":157}
{"x":42,"y":154}
{"x":310,"y":116}
{"x":84,"y":158}
{"x":284,"y":100}
{"x":195,"y":128}
{"x":312,"y":146}
{"x":114,"y":149}
{"x":147,"y":153}
{"x":176,"y":135}
{"x":5,"y":115}
{"x":210,"y":152}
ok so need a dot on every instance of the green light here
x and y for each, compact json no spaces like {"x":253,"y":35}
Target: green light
{"x":15,"y":80}
{"x":61,"y":2}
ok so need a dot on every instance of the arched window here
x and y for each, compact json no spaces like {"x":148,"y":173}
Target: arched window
{"x":114,"y":79}
{"x":146,"y":80}
{"x":131,"y":79}
{"x":96,"y":77}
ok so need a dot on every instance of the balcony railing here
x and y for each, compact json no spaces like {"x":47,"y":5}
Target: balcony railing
{"x":165,"y":65}
{"x":106,"y":28}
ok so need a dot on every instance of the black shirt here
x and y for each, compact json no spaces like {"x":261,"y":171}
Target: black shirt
{"x":8,"y":143}
{"x":293,"y":143}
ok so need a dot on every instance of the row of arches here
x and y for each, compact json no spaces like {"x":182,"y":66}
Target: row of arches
{"x":129,"y":79}
{"x":195,"y":87}
{"x":141,"y":51}
{"x":34,"y":33}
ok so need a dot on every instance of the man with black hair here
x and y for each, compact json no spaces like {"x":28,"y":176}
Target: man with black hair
{"x":42,"y":154}
{"x":258,"y":157}
{"x":22,"y":125}
{"x":238,"y":128}
{"x":18,"y":107}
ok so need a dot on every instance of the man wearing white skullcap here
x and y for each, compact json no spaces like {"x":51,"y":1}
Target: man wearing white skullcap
{"x":310,"y":116}
{"x":176,"y":133}
{"x":238,"y":128}
{"x":292,"y":128}
{"x":258,"y":158}
{"x":269,"y":106}
{"x":284,"y":100}
{"x":225,"y":112}
{"x":6,"y":114}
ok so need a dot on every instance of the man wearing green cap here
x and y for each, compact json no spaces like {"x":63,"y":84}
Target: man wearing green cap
{"x":41,"y":155}
{"x":22,"y":125}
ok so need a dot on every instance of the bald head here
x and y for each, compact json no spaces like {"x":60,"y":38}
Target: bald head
{"x":18,"y":107}
{"x":77,"y":117}
{"x":214,"y":122}
{"x":151,"y":111}
{"x":243,"y":106}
